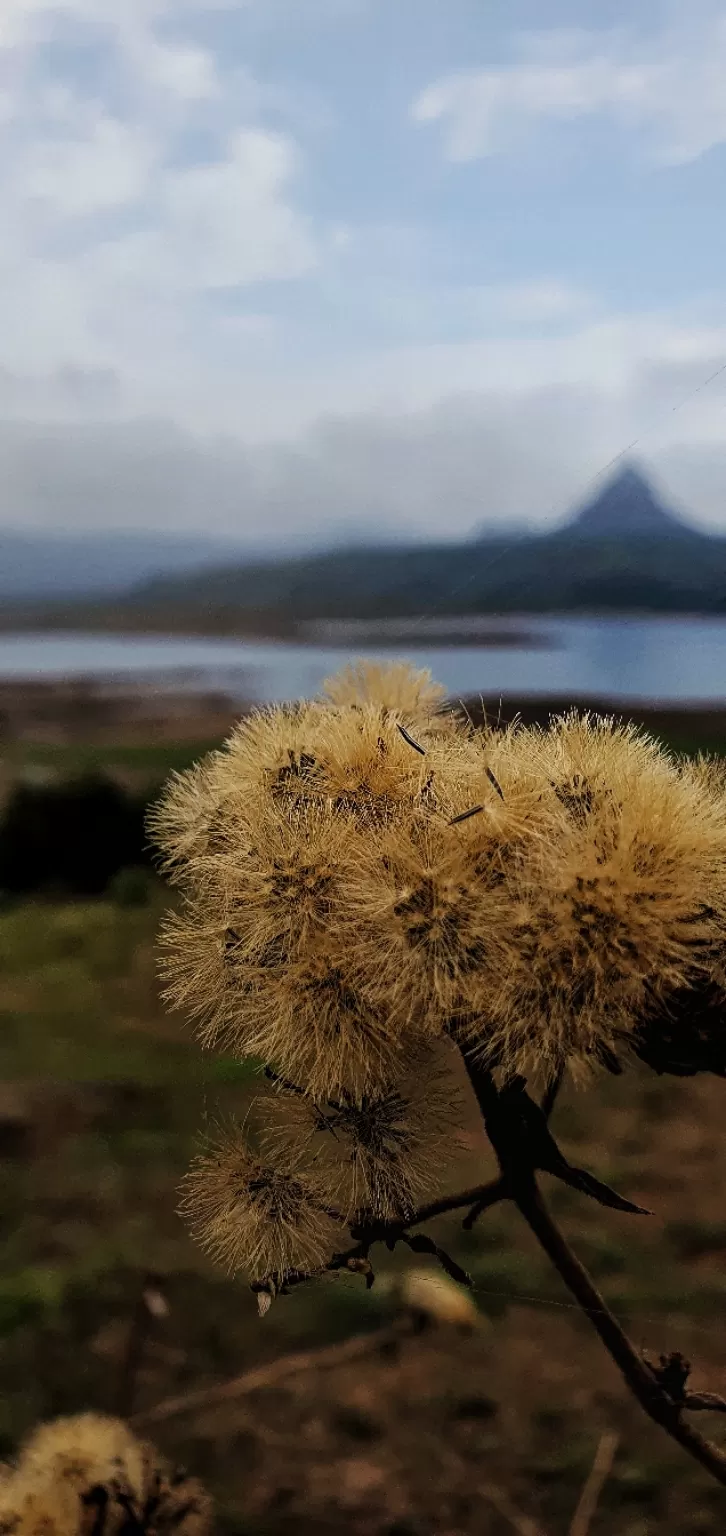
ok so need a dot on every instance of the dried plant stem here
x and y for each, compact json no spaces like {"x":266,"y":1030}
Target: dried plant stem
{"x":150,"y":1306}
{"x":271,"y":1375}
{"x":638,"y":1376}
{"x":481,"y":1197}
{"x":549,"y":1098}
{"x":503,"y":1505}
{"x":518,"y":1172}
{"x":599,"y":1474}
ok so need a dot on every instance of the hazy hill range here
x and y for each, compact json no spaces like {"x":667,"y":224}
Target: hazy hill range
{"x":43,"y":564}
{"x":622,"y":551}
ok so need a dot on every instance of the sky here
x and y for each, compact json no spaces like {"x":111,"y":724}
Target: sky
{"x":296,"y":271}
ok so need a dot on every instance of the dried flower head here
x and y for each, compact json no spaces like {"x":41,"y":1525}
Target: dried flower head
{"x":586,"y":760}
{"x":433,"y":902}
{"x":264,"y":1215}
{"x":380,"y":1155}
{"x":431,"y":1300}
{"x":215,"y":806}
{"x":183,"y":823}
{"x":258,"y":910}
{"x":88,"y":1475}
{"x":358,"y":765}
{"x":625,"y":906}
{"x":426,"y":928}
{"x":261,"y":952}
{"x":396,"y":687}
{"x":83,"y":1450}
{"x":326,"y":1027}
{"x":283,"y":889}
{"x":173,"y":1501}
{"x":316,"y":1016}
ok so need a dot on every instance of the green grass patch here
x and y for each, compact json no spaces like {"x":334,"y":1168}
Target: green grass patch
{"x":67,"y":760}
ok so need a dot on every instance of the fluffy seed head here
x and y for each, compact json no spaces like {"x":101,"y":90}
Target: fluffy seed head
{"x":319,"y":1021}
{"x":88,"y":1473}
{"x":30,"y":1511}
{"x":381,"y":1155}
{"x":397,"y":687}
{"x":433,"y":903}
{"x":262,"y":1215}
{"x":315,"y":1016}
{"x":268,"y":839}
{"x":626,"y":906}
{"x":353,"y":762}
{"x":83,"y":1450}
{"x":283,"y":889}
{"x":173,"y":1501}
{"x":258,"y":910}
{"x":184,"y":823}
{"x":426,"y":928}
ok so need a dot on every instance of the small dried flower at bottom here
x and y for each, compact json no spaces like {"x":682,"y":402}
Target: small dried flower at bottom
{"x":88,"y":1475}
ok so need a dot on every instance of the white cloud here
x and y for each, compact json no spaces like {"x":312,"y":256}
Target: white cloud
{"x":103,"y":164}
{"x":486,"y":454}
{"x":229,"y":223}
{"x":141,"y":228}
{"x":670,"y":90}
{"x":224,"y":224}
{"x":113,"y":232}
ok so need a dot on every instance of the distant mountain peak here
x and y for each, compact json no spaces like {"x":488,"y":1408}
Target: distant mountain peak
{"x":627,"y":507}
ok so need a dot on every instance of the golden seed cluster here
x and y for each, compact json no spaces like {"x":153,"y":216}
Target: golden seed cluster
{"x":380,"y":1155}
{"x":365,"y":878}
{"x":90,"y":1473}
{"x":263,"y":1211}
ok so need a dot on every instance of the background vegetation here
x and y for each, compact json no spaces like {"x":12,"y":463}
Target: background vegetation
{"x":101,"y":1097}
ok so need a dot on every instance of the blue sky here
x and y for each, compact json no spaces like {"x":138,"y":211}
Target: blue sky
{"x":292,"y":268}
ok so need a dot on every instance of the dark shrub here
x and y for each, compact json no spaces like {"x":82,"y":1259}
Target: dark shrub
{"x":71,"y":837}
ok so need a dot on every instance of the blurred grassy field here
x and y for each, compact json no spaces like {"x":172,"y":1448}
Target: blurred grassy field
{"x":102,"y":1098}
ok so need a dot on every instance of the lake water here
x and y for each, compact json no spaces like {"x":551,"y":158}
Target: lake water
{"x":663,"y":660}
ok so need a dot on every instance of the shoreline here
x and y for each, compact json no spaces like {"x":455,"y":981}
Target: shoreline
{"x":97,"y":711}
{"x":493,"y":630}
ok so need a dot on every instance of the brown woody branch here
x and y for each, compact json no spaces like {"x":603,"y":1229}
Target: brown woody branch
{"x":649,"y":1386}
{"x":518,"y":1130}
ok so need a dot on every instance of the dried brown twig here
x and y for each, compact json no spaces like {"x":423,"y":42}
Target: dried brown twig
{"x":663,"y":1402}
{"x":501,"y":1502}
{"x":151,"y":1306}
{"x":599,"y":1474}
{"x":587,"y":1503}
{"x":325,"y":1357}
